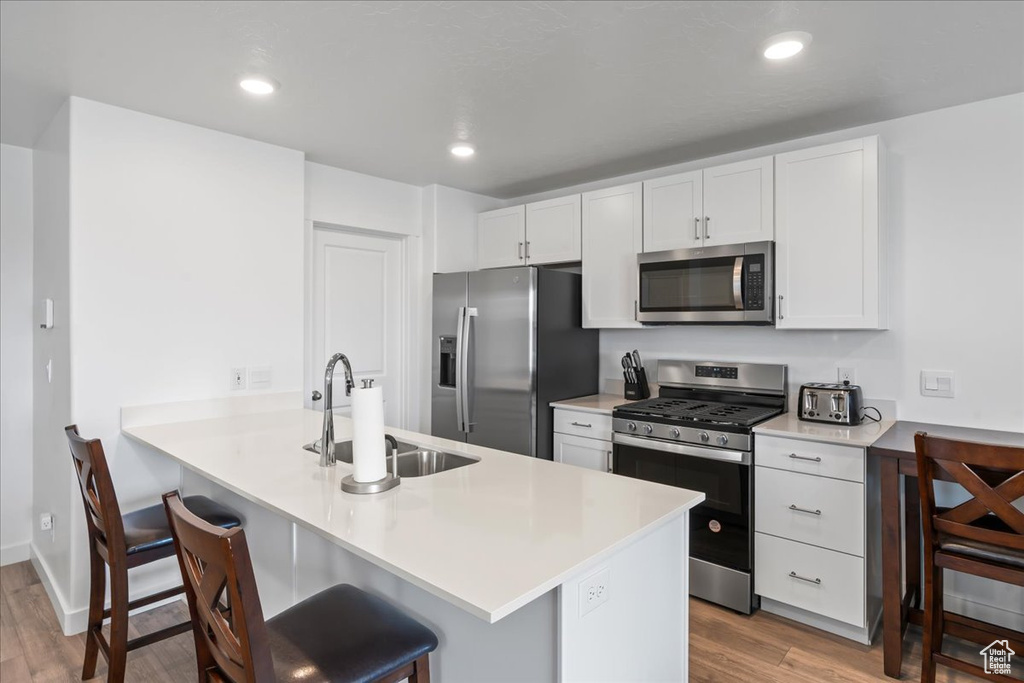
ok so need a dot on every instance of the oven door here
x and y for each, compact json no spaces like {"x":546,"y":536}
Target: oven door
{"x":730,"y":284}
{"x":721,"y":528}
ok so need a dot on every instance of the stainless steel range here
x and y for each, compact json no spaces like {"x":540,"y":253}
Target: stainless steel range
{"x":697,"y":435}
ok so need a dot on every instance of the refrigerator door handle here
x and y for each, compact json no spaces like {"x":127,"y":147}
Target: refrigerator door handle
{"x":462,"y":346}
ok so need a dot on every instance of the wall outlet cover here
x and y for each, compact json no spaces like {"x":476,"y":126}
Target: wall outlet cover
{"x":847,"y":375}
{"x":594,"y":591}
{"x":45,"y":521}
{"x":239,"y":379}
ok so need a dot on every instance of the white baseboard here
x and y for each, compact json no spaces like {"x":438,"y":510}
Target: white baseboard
{"x":16,"y":552}
{"x":74,"y":621}
{"x":982,"y":612}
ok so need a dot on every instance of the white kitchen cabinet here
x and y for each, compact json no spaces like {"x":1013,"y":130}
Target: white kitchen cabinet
{"x":553,"y":231}
{"x":593,"y":454}
{"x":728,"y":204}
{"x":612,"y":238}
{"x":501,"y":238}
{"x":674,"y":212}
{"x":830,"y":251}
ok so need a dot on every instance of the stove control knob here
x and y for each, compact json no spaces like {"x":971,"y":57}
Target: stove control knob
{"x":631,"y":426}
{"x":648,"y":429}
{"x":722,"y":439}
{"x":703,"y":436}
{"x":675,"y":432}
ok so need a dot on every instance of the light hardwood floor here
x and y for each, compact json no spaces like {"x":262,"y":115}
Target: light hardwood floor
{"x":724,"y":646}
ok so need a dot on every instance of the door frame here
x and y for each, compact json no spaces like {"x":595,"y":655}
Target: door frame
{"x":405,"y":333}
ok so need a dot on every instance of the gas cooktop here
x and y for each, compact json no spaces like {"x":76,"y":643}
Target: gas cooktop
{"x":689,"y":410}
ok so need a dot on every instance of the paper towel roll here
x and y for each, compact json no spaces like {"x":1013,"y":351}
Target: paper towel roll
{"x":368,"y":458}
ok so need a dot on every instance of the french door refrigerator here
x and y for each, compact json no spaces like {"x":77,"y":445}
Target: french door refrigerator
{"x":507,"y":342}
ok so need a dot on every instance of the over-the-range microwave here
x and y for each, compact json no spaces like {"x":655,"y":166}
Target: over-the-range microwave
{"x":732,"y":284}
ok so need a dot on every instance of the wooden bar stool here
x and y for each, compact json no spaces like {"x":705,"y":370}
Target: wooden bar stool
{"x":340,"y":634}
{"x":983,"y":536}
{"x":123,"y":542}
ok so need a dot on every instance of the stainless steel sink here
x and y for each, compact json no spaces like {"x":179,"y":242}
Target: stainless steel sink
{"x":423,"y":462}
{"x":343,"y":449}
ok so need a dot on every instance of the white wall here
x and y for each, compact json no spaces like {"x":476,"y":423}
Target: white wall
{"x":347,"y":198}
{"x":16,"y":322}
{"x":453,"y":213}
{"x":186,"y":259}
{"x":51,"y":400}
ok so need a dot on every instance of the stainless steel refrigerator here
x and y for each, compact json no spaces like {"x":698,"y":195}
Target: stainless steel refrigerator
{"x":507,"y":342}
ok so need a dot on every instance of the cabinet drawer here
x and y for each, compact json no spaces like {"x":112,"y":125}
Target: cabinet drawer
{"x":821,"y":581}
{"x":594,"y":454}
{"x":809,"y":457}
{"x":591,"y":425}
{"x":815,"y":510}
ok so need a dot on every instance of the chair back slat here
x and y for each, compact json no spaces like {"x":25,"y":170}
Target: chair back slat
{"x":102,"y":512}
{"x":992,"y":475}
{"x":215,"y":562}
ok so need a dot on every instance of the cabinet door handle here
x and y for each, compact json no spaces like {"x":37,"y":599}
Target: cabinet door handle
{"x":794,"y":575}
{"x":794,"y":456}
{"x":580,"y":424}
{"x":610,"y":461}
{"x":520,"y":251}
{"x":781,"y":317}
{"x":800,"y":509}
{"x":527,"y":249}
{"x":696,"y":228}
{"x":707,"y":235}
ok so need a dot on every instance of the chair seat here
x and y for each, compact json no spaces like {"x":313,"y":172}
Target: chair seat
{"x":147,"y":529}
{"x":979,"y":550}
{"x":344,"y":634}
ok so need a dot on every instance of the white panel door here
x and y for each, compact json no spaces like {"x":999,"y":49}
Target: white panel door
{"x":501,"y":238}
{"x":612,"y":237}
{"x":553,"y":231}
{"x":358,"y":303}
{"x":739,"y":203}
{"x":828,"y":258}
{"x":673,"y":212}
{"x":594,"y":454}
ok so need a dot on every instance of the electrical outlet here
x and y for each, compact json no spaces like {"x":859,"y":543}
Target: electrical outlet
{"x":594,"y":591}
{"x":239,"y":379}
{"x":45,"y":521}
{"x":848,"y":375}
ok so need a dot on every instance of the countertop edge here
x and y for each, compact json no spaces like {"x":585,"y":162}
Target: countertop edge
{"x":818,"y":438}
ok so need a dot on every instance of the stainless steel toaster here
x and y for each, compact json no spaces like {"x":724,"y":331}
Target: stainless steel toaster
{"x":834,"y":403}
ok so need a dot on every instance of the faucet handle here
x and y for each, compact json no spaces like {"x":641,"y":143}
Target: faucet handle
{"x":368,"y":383}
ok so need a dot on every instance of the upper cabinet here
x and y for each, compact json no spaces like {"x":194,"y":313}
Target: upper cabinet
{"x":830,"y":237}
{"x":537,"y":233}
{"x":553,"y":231}
{"x":501,"y":238}
{"x":728,"y":204}
{"x":612,"y":237}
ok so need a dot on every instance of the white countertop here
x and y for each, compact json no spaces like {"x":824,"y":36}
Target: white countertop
{"x":790,"y":426}
{"x":598,"y":403}
{"x":489,"y":538}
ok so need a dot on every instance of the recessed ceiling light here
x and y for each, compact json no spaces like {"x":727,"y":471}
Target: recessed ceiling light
{"x":258,"y":85}
{"x":786,"y":45}
{"x":462,"y":149}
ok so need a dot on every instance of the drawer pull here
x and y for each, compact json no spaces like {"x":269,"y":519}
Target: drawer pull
{"x":794,"y":456}
{"x":794,"y":575}
{"x":580,"y":424}
{"x":799,"y":509}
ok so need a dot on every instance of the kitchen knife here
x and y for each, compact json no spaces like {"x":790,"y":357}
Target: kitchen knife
{"x":636,"y":360}
{"x":625,"y":369}
{"x":627,"y":363}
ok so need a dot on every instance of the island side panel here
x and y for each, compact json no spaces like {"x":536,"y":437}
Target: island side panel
{"x":641,"y":632}
{"x":519,"y":647}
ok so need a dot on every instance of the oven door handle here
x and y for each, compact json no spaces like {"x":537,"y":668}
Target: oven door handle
{"x":737,"y":283}
{"x":722,"y":455}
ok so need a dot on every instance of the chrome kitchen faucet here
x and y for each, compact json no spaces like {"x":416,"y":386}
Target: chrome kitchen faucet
{"x":327,"y":457}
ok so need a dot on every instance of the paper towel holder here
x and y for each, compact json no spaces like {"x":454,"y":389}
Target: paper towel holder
{"x":390,"y":480}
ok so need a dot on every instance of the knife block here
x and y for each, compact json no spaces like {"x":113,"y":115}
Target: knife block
{"x":640,"y":389}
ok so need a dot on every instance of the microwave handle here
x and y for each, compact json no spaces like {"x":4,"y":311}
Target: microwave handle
{"x":737,"y":283}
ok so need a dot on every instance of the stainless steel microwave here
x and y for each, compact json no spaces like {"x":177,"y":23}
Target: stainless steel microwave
{"x":714,"y":285}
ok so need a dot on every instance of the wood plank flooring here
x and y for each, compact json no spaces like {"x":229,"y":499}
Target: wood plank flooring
{"x":724,"y":647}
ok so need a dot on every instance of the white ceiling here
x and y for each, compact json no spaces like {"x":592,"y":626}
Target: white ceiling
{"x":551,"y":93}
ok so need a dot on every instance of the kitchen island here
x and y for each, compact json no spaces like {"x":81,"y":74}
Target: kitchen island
{"x":527,"y":570}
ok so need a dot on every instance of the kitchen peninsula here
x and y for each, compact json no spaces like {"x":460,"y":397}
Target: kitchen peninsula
{"x":526,"y":569}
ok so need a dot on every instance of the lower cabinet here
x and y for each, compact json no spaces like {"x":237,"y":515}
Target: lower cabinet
{"x":817,"y":553}
{"x":594,"y":454}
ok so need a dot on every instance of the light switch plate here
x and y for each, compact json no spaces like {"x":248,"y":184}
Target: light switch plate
{"x":259,"y":377}
{"x":239,"y":379}
{"x":938,"y":383}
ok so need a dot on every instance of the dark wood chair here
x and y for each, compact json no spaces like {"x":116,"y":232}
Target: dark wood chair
{"x":122,"y":542}
{"x":983,"y":536}
{"x":339,"y":634}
